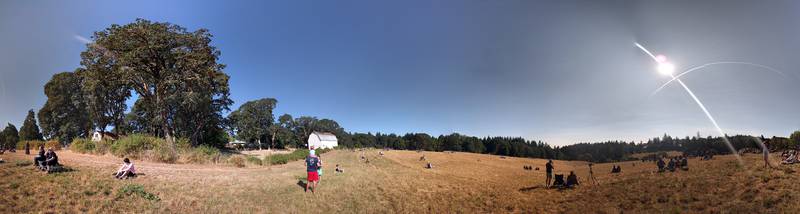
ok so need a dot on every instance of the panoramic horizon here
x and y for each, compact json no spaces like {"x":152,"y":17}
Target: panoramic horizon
{"x":558,"y":72}
{"x":357,"y":106}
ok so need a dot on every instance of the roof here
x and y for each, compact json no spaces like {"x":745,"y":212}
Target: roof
{"x":325,"y":136}
{"x":237,"y":142}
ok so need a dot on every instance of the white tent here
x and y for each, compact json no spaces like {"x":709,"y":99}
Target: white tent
{"x":322,"y":140}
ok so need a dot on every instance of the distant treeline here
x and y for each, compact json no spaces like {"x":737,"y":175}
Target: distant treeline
{"x":595,"y":152}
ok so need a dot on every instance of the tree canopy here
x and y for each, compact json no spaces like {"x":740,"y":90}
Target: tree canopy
{"x":29,"y":129}
{"x":173,"y":70}
{"x":64,"y":115}
{"x":9,"y":137}
{"x":252,"y":121}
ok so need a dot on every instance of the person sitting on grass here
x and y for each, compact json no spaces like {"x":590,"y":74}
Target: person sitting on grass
{"x":660,"y":164}
{"x":126,"y":170}
{"x":429,"y":166}
{"x":684,"y":163}
{"x":38,"y":160}
{"x":312,"y":164}
{"x":572,"y":180}
{"x":51,"y":159}
{"x":671,"y":165}
{"x":338,"y":170}
{"x":791,"y":159}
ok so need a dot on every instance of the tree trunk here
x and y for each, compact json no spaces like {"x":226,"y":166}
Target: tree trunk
{"x":163,"y":114}
{"x":272,"y":141}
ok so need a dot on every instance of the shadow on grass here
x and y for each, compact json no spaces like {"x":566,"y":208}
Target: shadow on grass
{"x":302,"y":183}
{"x":527,"y":189}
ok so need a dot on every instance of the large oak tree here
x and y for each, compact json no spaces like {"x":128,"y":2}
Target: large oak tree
{"x":174,"y":70}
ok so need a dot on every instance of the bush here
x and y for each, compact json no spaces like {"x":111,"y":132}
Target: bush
{"x":203,"y":154}
{"x":183,"y":144}
{"x":102,"y":147}
{"x":163,"y":152}
{"x":295,"y":155}
{"x":35,"y":145}
{"x":82,"y":145}
{"x":236,"y":160}
{"x":254,"y":160}
{"x":134,"y":145}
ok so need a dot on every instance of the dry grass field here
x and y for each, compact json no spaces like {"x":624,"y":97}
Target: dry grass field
{"x":397,"y":183}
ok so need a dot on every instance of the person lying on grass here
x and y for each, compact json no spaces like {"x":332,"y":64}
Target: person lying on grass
{"x":126,"y":170}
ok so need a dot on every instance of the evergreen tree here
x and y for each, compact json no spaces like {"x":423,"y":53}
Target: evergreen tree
{"x":29,"y":129}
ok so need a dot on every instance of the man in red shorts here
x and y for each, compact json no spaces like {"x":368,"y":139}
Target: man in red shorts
{"x":312,"y":164}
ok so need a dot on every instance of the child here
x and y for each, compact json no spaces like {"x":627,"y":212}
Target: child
{"x":126,"y":170}
{"x":319,"y":169}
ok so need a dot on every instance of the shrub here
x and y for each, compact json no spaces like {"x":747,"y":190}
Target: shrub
{"x":102,"y":147}
{"x":35,"y":145}
{"x":254,"y":160}
{"x":295,"y":155}
{"x":203,"y":154}
{"x":82,"y":145}
{"x":163,"y":152}
{"x":134,"y":145}
{"x":236,"y":160}
{"x":183,"y":144}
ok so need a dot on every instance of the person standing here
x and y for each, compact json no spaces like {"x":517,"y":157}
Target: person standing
{"x":591,"y":175}
{"x":312,"y":164}
{"x":549,"y":169}
{"x":27,"y":148}
{"x":765,"y":150}
{"x":319,"y":169}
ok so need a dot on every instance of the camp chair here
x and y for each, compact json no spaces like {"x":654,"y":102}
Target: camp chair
{"x":559,"y":180}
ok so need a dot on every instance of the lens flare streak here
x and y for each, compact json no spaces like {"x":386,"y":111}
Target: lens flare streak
{"x":699,"y":103}
{"x":714,"y":63}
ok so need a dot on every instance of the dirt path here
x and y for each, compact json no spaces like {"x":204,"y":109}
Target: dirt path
{"x":173,"y":172}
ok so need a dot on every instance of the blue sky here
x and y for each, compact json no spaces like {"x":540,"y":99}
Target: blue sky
{"x":559,"y":71}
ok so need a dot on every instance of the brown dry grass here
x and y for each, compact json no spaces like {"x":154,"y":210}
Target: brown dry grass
{"x":398,"y":183}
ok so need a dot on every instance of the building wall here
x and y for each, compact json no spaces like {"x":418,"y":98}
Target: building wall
{"x":313,"y":140}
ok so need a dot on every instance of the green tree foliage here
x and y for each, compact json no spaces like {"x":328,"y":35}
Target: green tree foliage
{"x":175,"y":71}
{"x":794,"y":139}
{"x":10,"y":136}
{"x":104,"y":91}
{"x":253,"y":121}
{"x":64,"y":116}
{"x":29,"y":129}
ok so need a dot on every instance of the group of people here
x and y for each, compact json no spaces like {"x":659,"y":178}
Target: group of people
{"x":679,"y":162}
{"x":789,"y":157}
{"x":46,"y":160}
{"x":572,"y":178}
{"x":616,"y":169}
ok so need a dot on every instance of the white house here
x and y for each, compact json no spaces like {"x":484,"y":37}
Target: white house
{"x":322,"y":140}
